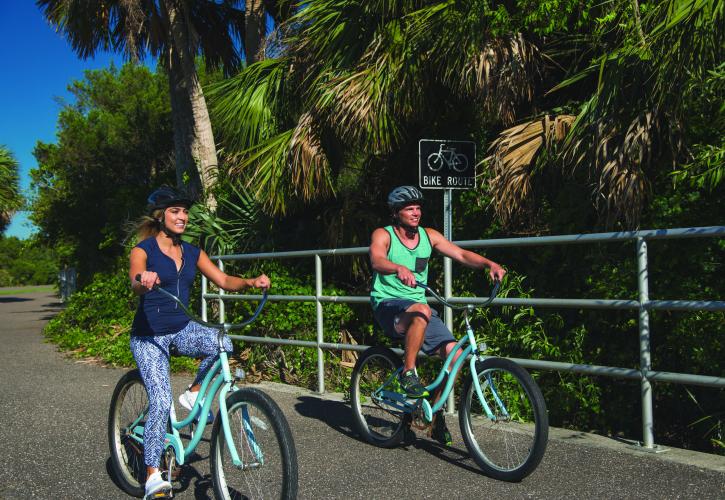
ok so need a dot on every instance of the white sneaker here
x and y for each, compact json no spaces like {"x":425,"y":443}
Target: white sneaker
{"x":187,"y":399}
{"x":156,"y":484}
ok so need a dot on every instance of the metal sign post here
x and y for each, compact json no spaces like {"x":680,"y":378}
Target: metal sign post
{"x":447,"y":165}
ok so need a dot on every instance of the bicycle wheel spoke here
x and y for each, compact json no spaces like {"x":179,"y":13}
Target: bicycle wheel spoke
{"x":129,"y":405}
{"x":265,"y":469}
{"x":507,"y":434}
{"x":380,"y":421}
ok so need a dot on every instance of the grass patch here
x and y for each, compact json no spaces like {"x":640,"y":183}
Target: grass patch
{"x":27,"y":289}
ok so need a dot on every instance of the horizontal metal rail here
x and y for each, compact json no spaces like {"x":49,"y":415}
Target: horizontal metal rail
{"x":643,"y":305}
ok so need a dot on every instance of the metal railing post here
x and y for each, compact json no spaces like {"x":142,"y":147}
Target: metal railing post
{"x":204,"y":285}
{"x":644,"y":343}
{"x":320,"y":336}
{"x":448,"y":276}
{"x":222,"y":315}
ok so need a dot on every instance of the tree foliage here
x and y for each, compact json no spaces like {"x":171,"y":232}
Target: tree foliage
{"x":10,"y":197}
{"x":113,"y":147}
{"x":26,"y":262}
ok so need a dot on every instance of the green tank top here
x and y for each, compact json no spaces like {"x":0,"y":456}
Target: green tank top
{"x":388,"y":286}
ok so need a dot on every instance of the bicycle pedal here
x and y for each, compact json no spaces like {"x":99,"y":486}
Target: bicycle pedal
{"x":161,"y":495}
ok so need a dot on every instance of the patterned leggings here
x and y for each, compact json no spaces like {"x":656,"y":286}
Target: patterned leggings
{"x":152,"y":357}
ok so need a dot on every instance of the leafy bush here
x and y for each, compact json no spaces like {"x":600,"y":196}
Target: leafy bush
{"x":25,"y":263}
{"x":96,"y":323}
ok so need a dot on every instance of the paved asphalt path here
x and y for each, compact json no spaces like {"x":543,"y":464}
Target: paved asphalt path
{"x":53,"y":444}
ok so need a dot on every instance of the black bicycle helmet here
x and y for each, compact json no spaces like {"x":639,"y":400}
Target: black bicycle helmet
{"x":166,"y":196}
{"x":404,"y":195}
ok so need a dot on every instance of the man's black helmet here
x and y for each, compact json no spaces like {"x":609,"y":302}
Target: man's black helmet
{"x":166,"y":196}
{"x":404,"y":195}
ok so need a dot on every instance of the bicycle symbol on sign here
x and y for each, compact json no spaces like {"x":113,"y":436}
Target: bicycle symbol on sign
{"x":448,"y":157}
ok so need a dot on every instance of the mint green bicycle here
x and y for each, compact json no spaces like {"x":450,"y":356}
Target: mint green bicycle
{"x":502,"y":413}
{"x":253,"y":454}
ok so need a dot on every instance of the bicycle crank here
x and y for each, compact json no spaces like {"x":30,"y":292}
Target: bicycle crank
{"x":422,"y":415}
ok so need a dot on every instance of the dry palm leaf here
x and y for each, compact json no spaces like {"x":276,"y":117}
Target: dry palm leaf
{"x":619,"y":162}
{"x":309,"y":168}
{"x":503,"y":75}
{"x":512,"y":160}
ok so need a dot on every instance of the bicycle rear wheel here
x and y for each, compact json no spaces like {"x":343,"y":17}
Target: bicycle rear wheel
{"x":263,"y":441}
{"x":129,"y":401}
{"x":377,"y":422}
{"x":510,"y":445}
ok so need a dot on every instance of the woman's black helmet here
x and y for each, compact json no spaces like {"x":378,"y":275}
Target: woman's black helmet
{"x":404,"y":195}
{"x":166,"y":196}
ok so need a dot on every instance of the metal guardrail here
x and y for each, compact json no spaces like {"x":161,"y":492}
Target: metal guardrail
{"x":643,"y":305}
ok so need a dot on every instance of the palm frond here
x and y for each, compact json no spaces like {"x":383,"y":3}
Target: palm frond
{"x":248,"y":106}
{"x":512,"y":162}
{"x":309,"y":168}
{"x":10,"y":198}
{"x":292,"y":164}
{"x":503,"y":75}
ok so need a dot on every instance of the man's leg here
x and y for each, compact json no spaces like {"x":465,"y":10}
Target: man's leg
{"x":443,"y":352}
{"x":412,"y":323}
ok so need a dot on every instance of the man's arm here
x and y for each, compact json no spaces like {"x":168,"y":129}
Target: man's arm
{"x":465,"y":257}
{"x":379,"y":246}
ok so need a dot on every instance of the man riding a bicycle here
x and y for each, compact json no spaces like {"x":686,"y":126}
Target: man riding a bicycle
{"x":399,"y":254}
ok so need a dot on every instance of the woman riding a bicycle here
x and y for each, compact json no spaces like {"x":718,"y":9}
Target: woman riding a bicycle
{"x":162,"y":258}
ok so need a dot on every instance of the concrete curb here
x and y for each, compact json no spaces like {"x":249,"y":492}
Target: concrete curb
{"x":686,"y":457}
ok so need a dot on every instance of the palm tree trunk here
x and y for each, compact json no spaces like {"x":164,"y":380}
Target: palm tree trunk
{"x":183,"y":126}
{"x":192,"y":127}
{"x":254,"y":29}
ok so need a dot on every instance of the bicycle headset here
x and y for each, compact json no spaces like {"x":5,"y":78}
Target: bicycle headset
{"x":163,"y":198}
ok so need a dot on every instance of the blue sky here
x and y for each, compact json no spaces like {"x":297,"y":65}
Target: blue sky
{"x":38,"y":66}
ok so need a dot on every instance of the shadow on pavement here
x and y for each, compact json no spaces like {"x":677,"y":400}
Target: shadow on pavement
{"x":336,"y":414}
{"x":13,"y":299}
{"x":203,"y":488}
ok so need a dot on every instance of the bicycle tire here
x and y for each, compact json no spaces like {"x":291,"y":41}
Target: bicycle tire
{"x":277,"y":475}
{"x":384,"y":427}
{"x":510,"y":446}
{"x":127,"y":462}
{"x":435,"y":162}
{"x":462,"y":160}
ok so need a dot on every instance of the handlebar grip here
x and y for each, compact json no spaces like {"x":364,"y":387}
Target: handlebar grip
{"x":138,"y":278}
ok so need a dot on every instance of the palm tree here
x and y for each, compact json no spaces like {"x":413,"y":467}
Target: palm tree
{"x":647,"y":90}
{"x":354,"y":83}
{"x":256,"y":28}
{"x":10,"y":197}
{"x":175,"y":32}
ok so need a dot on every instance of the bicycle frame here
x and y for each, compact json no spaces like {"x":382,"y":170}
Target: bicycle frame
{"x":473,"y":350}
{"x":217,"y":382}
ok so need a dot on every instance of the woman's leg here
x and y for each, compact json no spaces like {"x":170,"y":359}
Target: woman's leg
{"x":152,"y":357}
{"x":198,"y":341}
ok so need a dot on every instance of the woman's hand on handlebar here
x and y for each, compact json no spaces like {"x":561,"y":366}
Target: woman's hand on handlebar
{"x":148,"y":279}
{"x":496,"y":272}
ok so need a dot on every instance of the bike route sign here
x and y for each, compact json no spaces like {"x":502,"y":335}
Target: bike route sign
{"x":447,"y":164}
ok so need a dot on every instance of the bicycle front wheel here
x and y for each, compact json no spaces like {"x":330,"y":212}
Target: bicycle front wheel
{"x":509,"y":443}
{"x":129,"y":405}
{"x":263,"y":441}
{"x":377,"y":421}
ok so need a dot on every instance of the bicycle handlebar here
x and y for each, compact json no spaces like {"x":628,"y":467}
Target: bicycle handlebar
{"x":494,"y":292}
{"x":225,"y":326}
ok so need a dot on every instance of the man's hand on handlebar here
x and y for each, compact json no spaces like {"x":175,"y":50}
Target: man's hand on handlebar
{"x":496,"y":272}
{"x":406,"y":276}
{"x":261,"y":281}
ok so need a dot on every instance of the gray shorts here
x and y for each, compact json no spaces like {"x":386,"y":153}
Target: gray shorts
{"x":436,"y":334}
